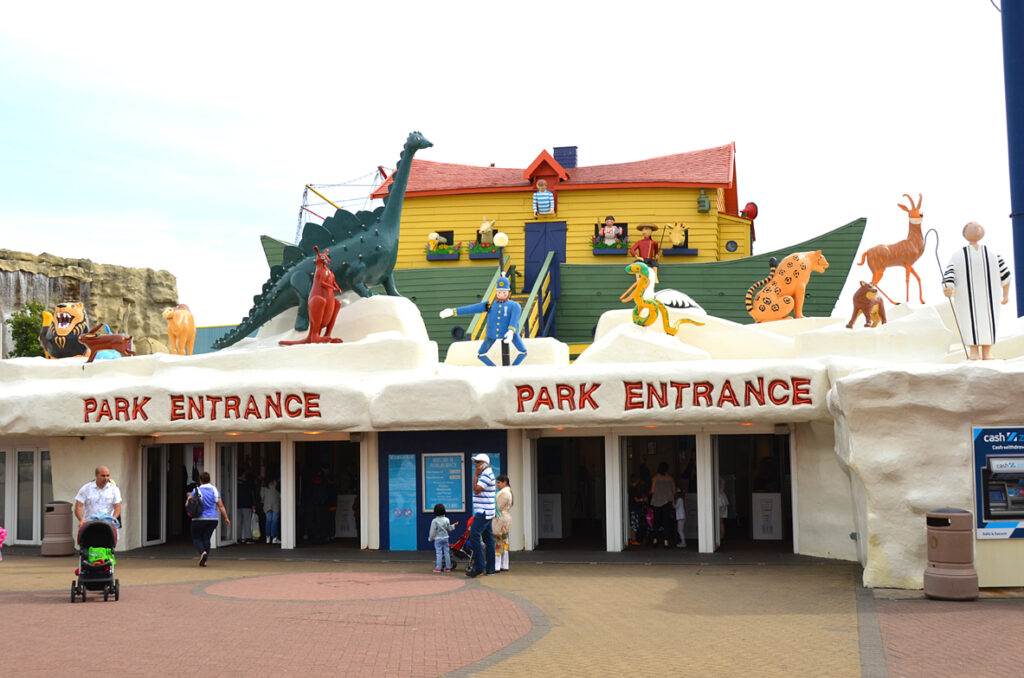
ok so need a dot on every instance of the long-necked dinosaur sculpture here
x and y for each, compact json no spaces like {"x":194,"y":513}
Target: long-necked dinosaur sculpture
{"x":364,"y":248}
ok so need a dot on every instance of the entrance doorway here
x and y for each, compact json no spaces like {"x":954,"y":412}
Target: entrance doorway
{"x":570,"y":493}
{"x":169,"y":472}
{"x":646,"y":456}
{"x":327,"y":493}
{"x":754,"y":510}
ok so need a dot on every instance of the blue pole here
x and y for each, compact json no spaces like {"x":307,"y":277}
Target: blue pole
{"x":1013,"y":74}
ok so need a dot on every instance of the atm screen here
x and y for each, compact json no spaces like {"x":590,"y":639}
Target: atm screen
{"x":995,"y":495}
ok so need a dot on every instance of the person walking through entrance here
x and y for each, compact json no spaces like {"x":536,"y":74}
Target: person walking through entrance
{"x":663,"y":490}
{"x":270,"y":497}
{"x":680,"y":506}
{"x":502,"y":522}
{"x":99,"y":497}
{"x":480,"y":534}
{"x":205,"y":525}
{"x":246,"y":504}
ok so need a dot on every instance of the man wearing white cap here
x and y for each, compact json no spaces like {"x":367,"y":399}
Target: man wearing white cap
{"x":480,"y":534}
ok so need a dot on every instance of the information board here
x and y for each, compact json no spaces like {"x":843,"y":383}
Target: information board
{"x":444,"y":481}
{"x":402,"y":502}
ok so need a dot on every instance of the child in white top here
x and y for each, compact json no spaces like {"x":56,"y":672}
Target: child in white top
{"x":440,"y":528}
{"x":680,"y":507}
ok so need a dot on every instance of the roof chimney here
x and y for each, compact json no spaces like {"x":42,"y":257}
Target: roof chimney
{"x":565,"y":156}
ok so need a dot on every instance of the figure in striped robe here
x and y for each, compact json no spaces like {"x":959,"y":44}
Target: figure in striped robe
{"x":972,"y":279}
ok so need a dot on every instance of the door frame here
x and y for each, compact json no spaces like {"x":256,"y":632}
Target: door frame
{"x":162,"y":474}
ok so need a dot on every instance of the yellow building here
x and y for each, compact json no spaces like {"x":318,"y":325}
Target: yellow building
{"x":695,"y":189}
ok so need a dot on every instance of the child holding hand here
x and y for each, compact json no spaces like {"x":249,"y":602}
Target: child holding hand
{"x":440,"y":529}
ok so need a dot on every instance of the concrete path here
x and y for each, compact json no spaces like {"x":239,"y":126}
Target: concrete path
{"x":269,"y":613}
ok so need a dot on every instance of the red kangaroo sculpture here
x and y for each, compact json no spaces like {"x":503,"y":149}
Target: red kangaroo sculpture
{"x":904,"y":253}
{"x":102,"y":342}
{"x":323,"y":306}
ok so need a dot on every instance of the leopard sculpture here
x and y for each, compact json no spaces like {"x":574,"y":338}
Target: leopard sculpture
{"x":783,"y":291}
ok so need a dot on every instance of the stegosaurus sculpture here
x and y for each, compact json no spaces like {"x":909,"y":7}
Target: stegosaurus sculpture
{"x":364,"y":248}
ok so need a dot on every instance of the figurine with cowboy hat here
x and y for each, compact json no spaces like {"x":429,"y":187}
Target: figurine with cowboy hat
{"x":647,"y":250}
{"x":502,"y":320}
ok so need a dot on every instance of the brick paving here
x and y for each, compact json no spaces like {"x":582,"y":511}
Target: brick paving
{"x":941,"y":639}
{"x":371,"y":616}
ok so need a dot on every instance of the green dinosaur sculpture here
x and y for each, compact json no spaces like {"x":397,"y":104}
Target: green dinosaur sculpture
{"x":364,"y":249}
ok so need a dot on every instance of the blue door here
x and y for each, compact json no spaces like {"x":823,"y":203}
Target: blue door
{"x":543,"y":237}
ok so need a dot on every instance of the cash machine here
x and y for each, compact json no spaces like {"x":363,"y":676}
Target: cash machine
{"x":1002,"y":478}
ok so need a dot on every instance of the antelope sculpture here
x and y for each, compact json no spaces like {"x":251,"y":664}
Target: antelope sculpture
{"x":904,"y":253}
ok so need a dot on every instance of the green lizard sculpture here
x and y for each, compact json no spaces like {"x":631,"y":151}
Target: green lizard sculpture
{"x":364,"y":248}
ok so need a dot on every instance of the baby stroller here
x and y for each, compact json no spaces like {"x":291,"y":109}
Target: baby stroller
{"x":96,"y":541}
{"x":463,"y":549}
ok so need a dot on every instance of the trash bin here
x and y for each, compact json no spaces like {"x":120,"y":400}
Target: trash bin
{"x":57,"y":540}
{"x":950,"y":573}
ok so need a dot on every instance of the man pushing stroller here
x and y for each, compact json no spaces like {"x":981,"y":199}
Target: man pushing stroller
{"x":99,"y":499}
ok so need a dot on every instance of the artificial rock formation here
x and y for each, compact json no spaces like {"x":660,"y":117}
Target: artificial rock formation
{"x":129,"y":300}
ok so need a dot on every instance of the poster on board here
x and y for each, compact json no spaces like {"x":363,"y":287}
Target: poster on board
{"x":402,"y":502}
{"x":999,"y":482}
{"x":444,"y":481}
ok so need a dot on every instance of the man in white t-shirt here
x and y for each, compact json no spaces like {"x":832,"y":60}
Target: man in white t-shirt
{"x":99,"y":496}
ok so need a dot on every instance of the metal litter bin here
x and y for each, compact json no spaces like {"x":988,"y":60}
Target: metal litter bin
{"x":950,"y":573}
{"x":57,"y":540}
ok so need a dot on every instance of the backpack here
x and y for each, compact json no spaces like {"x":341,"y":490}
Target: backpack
{"x":194,"y":505}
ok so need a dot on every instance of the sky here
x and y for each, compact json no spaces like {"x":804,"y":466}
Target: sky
{"x":173,"y":136}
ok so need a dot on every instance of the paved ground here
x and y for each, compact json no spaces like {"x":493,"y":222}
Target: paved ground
{"x":260,"y":612}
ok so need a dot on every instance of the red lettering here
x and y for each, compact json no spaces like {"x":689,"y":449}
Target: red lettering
{"x":88,"y":407}
{"x":273,"y":403}
{"x":543,"y":398}
{"x":634,"y":397}
{"x":177,"y":407}
{"x":251,"y":408}
{"x":523,"y":393}
{"x":196,"y":407}
{"x":213,"y":400}
{"x":702,"y":390}
{"x":657,"y":392}
{"x":565,"y":395}
{"x":758,"y":393}
{"x":801,"y":392}
{"x":679,"y":386}
{"x":104,"y":412}
{"x":121,"y":407}
{"x":292,"y":398}
{"x":231,"y":404}
{"x":312,"y":405}
{"x":771,"y":392}
{"x":727,"y":395}
{"x":586,"y":395}
{"x":139,"y":409}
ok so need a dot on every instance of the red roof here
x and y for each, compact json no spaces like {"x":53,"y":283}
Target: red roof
{"x":711,"y":167}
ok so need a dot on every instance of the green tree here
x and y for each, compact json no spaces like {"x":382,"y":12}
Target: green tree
{"x":25,"y":325}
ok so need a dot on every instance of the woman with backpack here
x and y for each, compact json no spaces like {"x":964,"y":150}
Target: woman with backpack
{"x":203,"y":504}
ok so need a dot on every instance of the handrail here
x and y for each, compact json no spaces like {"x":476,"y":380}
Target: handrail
{"x":478,"y":324}
{"x":540,"y":286}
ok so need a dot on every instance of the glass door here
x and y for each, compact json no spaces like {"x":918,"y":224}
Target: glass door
{"x":227,"y":479}
{"x":3,"y":487}
{"x":33,"y":489}
{"x":717,"y":491}
{"x":154,"y":494}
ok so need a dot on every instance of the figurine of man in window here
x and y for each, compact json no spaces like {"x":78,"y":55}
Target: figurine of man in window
{"x":502,"y":319}
{"x":543,"y":200}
